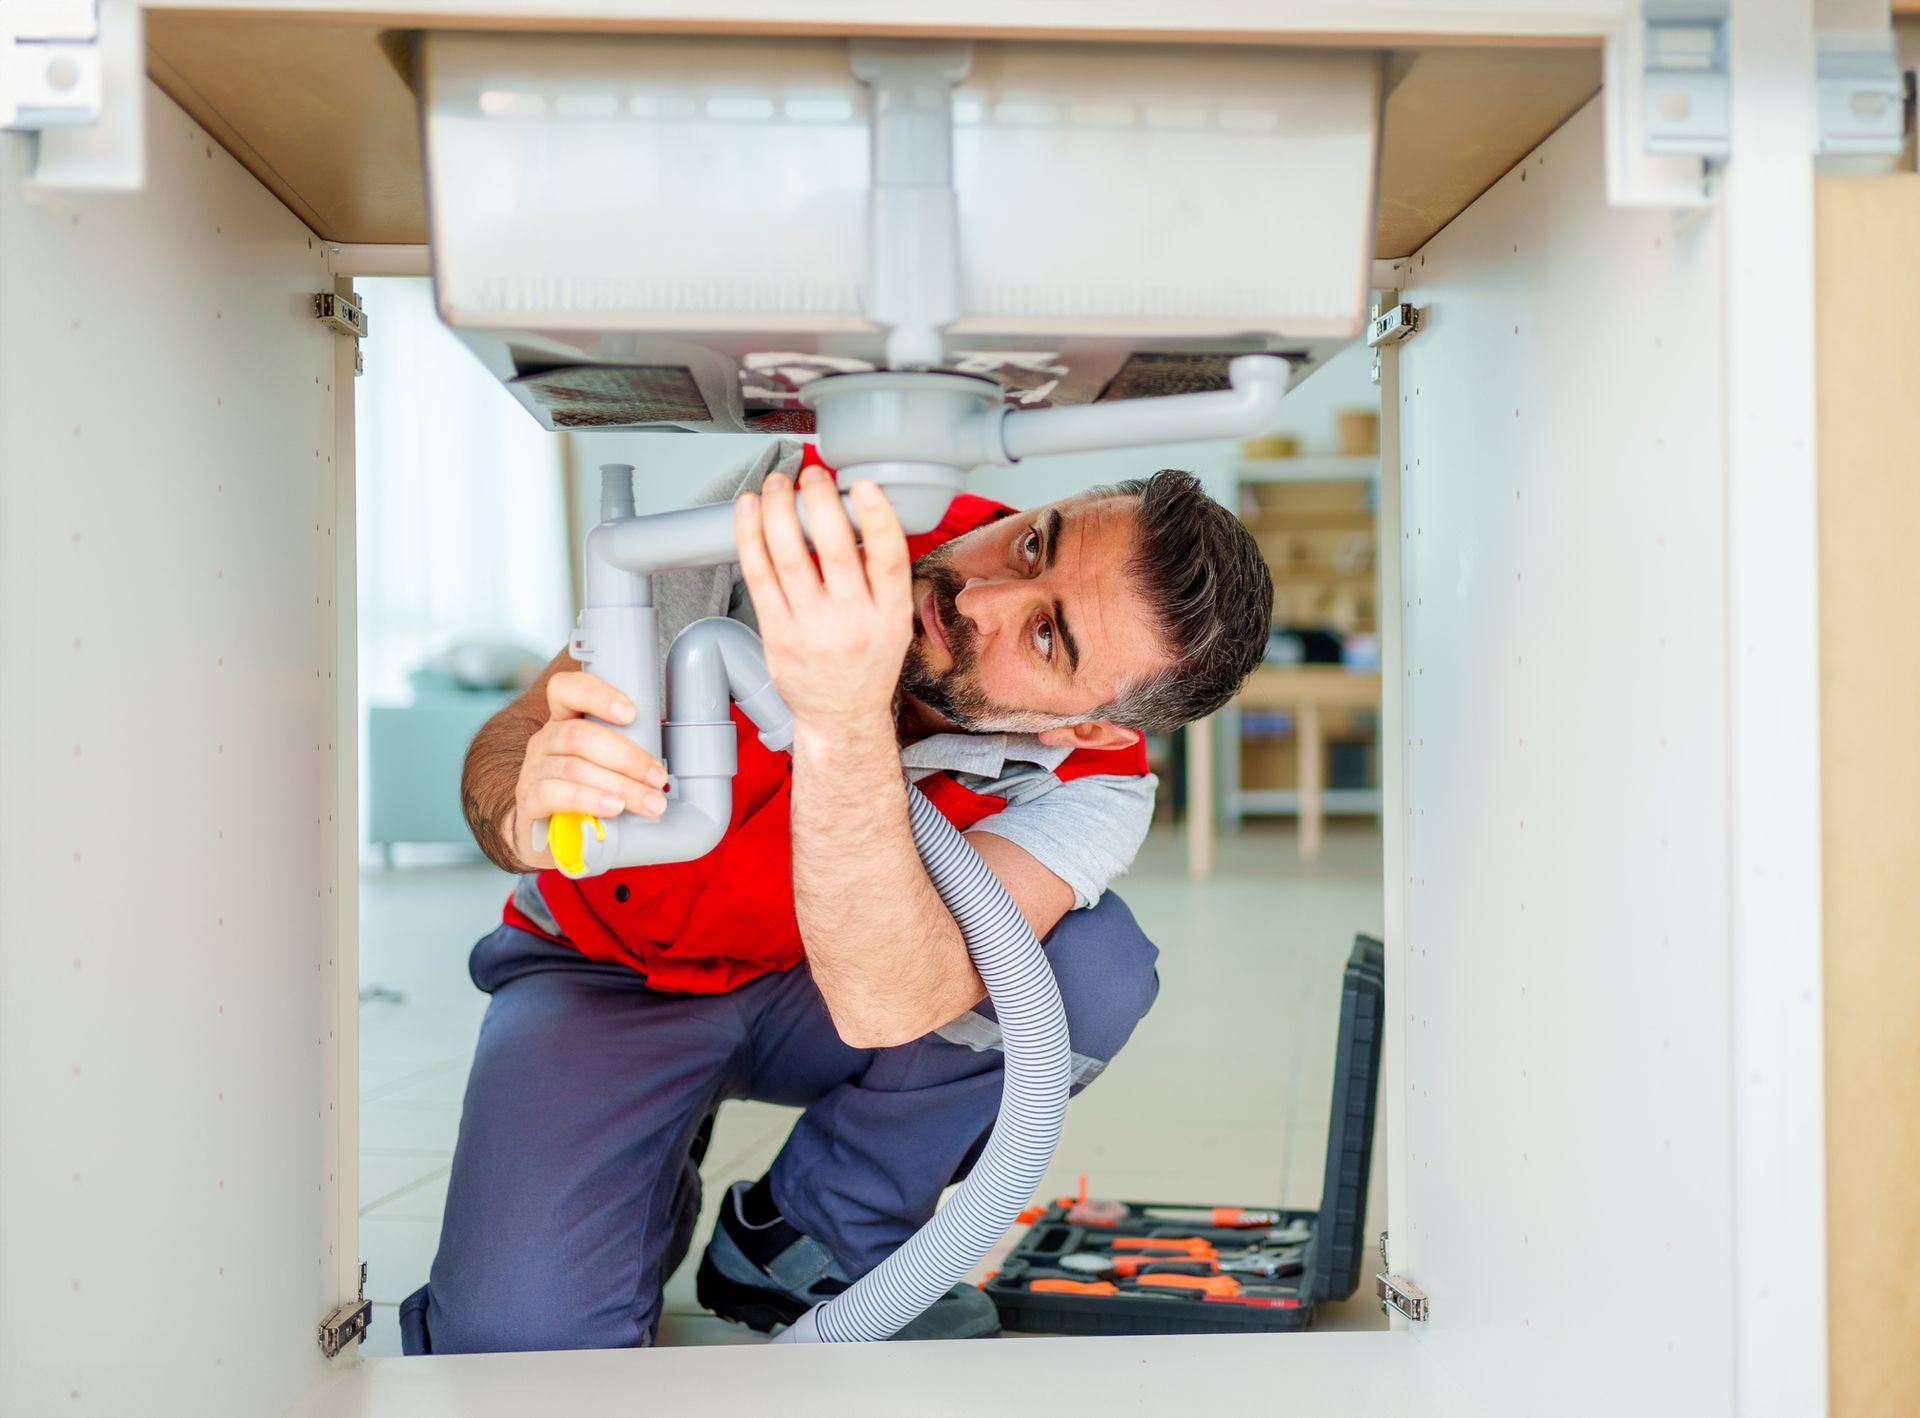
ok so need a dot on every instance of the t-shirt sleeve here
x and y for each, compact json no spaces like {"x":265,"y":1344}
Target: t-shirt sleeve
{"x":1086,"y":831}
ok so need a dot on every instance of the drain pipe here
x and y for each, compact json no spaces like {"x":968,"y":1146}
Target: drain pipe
{"x":1033,"y":1102}
{"x":710,"y":661}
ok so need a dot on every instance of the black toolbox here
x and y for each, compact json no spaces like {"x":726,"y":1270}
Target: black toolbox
{"x":1144,"y":1268}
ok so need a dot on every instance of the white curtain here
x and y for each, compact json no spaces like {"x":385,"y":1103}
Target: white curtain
{"x":462,"y":524}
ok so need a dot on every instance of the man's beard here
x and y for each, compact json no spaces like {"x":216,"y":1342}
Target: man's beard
{"x":955,"y":694}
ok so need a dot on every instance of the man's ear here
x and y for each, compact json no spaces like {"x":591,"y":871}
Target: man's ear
{"x":1097,"y":734}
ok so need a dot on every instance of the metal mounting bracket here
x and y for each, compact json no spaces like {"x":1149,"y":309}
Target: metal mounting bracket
{"x":1862,"y":95}
{"x":1401,"y":1294}
{"x":1666,"y":96}
{"x":346,"y":319}
{"x":1686,"y":90}
{"x":74,"y":72}
{"x":50,"y":70}
{"x":347,"y":1324}
{"x":1389,"y":322}
{"x":1396,"y":1292}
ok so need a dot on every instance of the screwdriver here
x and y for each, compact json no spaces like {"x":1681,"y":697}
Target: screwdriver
{"x":1220,"y":1286}
{"x":1238,"y":1217}
{"x":1091,"y":1287}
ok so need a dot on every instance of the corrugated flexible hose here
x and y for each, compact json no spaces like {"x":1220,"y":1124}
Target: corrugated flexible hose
{"x":1033,"y":1102}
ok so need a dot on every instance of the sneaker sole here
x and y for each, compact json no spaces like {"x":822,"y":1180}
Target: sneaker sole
{"x":761,"y":1310}
{"x":767,"y":1310}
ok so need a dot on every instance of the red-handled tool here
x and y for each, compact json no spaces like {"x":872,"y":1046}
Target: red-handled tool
{"x":1073,"y":1287}
{"x":1264,"y":1302}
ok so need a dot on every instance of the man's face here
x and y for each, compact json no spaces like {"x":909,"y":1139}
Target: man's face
{"x":1031,"y":622}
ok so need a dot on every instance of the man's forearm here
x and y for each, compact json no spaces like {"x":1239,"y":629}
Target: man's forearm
{"x":883,"y":949}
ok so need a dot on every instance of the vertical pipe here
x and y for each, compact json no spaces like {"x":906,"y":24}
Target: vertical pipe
{"x":913,"y":246}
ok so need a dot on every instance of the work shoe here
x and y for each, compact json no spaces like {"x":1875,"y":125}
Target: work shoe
{"x":767,"y":1276}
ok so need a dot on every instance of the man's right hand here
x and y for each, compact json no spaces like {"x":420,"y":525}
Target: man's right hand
{"x":576,"y":765}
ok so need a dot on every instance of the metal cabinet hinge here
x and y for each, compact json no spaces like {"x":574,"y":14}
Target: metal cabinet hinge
{"x":1861,"y":95}
{"x":1388,"y":323}
{"x":1686,"y":88}
{"x":1401,"y":1294}
{"x":348,"y":320}
{"x":348,"y":1324}
{"x":1396,"y":1291}
{"x":51,"y":74}
{"x":343,"y":315}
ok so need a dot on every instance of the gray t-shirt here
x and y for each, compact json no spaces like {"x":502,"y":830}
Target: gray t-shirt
{"x":1086,"y":831}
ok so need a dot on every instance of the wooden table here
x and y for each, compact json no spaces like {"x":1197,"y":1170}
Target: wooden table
{"x":1304,"y":691}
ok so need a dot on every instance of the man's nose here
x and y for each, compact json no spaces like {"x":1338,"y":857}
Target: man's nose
{"x":987,"y":601}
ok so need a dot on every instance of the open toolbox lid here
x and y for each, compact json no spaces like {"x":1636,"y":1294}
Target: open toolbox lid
{"x":733,"y":266}
{"x":1340,"y":1246}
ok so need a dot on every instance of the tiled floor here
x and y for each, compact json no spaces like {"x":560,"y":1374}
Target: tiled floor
{"x":1221,"y":1096}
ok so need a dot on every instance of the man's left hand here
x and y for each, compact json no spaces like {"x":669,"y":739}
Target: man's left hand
{"x":837,"y":633}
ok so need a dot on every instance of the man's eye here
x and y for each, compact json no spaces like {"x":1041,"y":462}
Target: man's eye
{"x":1043,"y":639}
{"x":1030,"y":546}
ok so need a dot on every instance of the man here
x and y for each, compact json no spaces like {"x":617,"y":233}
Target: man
{"x":1007,"y":663}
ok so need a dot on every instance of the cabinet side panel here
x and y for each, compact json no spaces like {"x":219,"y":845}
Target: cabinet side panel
{"x":1869,"y":426}
{"x":170,"y":864}
{"x":1565,"y":998}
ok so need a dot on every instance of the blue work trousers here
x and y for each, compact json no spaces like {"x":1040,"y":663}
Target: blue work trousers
{"x":574,"y":1191}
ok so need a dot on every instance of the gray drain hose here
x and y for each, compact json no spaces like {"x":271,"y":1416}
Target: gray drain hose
{"x":1033,"y":1102}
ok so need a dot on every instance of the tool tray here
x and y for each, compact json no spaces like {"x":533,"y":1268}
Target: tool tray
{"x":1327,"y":1252}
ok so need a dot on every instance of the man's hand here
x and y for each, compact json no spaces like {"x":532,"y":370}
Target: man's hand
{"x":835,"y":636}
{"x":575,"y":765}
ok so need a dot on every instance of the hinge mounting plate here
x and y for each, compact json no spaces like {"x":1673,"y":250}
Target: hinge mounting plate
{"x":343,"y":315}
{"x":347,"y":1324}
{"x":1389,"y":321}
{"x":51,"y":74}
{"x":1400,"y":1293}
{"x":1861,"y":95}
{"x":347,"y":320}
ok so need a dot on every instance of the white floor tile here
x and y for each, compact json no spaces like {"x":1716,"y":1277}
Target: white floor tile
{"x":384,"y":1175}
{"x":399,"y":1127}
{"x":426,"y":1200}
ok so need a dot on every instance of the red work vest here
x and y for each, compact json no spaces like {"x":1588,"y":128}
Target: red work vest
{"x":706,"y":927}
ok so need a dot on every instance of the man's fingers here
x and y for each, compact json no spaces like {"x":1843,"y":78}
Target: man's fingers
{"x":618,"y":793}
{"x":573,"y":693}
{"x":546,"y":796}
{"x":600,"y":745}
{"x":756,"y":567}
{"x":786,"y":546}
{"x":884,"y":547}
{"x":832,"y":536}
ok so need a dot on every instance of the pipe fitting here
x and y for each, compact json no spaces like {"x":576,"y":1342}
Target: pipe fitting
{"x":952,"y":420}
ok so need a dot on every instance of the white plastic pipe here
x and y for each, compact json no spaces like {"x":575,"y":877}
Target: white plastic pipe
{"x":1251,"y":406}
